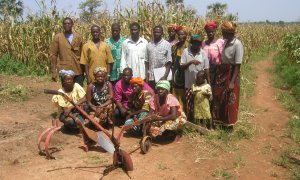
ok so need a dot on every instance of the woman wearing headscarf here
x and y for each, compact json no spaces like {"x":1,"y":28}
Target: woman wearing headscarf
{"x":227,"y":82}
{"x":193,"y":60}
{"x":138,"y":102}
{"x":168,"y":110}
{"x":213,"y":48}
{"x":76,"y":93}
{"x":172,"y":34}
{"x":178,"y":73}
{"x":99,"y":96}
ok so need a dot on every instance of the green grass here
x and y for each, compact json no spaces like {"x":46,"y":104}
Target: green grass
{"x":289,"y":159}
{"x":222,"y":174}
{"x":11,"y":66}
{"x":287,"y":79}
{"x":16,"y":93}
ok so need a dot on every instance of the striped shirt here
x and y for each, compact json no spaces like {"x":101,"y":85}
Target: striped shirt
{"x":158,"y":55}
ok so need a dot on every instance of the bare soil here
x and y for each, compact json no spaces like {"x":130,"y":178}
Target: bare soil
{"x":22,"y":122}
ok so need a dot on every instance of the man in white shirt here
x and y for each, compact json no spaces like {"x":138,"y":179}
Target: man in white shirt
{"x":134,"y":52}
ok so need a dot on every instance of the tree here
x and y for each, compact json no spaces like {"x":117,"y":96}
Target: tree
{"x":217,"y":8}
{"x":11,"y":8}
{"x":169,"y":2}
{"x":232,"y":17}
{"x":89,"y":9}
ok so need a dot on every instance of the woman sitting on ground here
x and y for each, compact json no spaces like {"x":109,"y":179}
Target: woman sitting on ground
{"x":75,"y":92}
{"x":99,"y":97}
{"x":169,"y":111}
{"x":138,"y":102}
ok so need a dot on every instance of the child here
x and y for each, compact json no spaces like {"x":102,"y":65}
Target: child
{"x":202,"y":95}
{"x":100,"y":95}
{"x":73,"y":91}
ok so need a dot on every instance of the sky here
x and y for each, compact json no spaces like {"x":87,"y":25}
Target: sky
{"x":248,"y":10}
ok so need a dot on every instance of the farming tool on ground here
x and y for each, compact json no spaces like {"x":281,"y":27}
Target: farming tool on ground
{"x":120,"y":157}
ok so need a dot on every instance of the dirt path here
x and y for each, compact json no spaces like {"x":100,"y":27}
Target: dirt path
{"x":21,"y":123}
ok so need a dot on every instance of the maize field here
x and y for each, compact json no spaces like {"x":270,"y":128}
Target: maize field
{"x":28,"y":41}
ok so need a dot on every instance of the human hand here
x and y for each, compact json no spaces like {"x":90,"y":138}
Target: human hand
{"x":123,"y":111}
{"x":128,"y":116}
{"x":67,"y":111}
{"x":231,"y":85}
{"x":163,"y":78}
{"x":195,"y":62}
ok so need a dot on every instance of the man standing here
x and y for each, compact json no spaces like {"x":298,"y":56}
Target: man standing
{"x":95,"y":53}
{"x":159,"y":55}
{"x":134,"y":52}
{"x":65,"y":52}
{"x":115,"y":44}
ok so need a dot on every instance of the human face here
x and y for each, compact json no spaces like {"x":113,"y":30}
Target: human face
{"x":115,"y":31}
{"x":200,"y":78}
{"x":95,"y":32}
{"x":68,"y":83}
{"x":162,"y":92}
{"x":136,"y":88}
{"x":157,"y":33}
{"x":171,"y":32}
{"x":134,"y":32}
{"x":196,"y":45}
{"x":100,"y":77}
{"x":67,"y":25}
{"x":127,"y":75}
{"x":210,"y":33}
{"x":227,"y":35}
{"x":181,"y":36}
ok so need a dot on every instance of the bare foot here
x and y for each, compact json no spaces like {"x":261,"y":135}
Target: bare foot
{"x":85,"y":148}
{"x":177,"y":139}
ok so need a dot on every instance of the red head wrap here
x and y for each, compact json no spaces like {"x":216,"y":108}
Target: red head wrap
{"x":211,"y":24}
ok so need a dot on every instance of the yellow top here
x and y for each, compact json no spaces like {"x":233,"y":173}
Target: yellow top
{"x":76,"y":94}
{"x":93,"y":57}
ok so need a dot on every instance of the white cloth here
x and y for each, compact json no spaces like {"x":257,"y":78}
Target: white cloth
{"x":134,"y":56}
{"x":191,"y":72}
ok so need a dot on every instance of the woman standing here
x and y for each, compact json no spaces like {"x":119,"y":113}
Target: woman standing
{"x":178,"y":73}
{"x":193,"y":60}
{"x":213,"y":48}
{"x":227,"y":82}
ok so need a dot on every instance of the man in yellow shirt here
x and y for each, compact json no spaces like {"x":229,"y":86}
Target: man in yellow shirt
{"x":95,"y":53}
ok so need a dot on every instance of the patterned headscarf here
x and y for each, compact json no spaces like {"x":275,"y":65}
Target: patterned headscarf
{"x":229,"y":26}
{"x":163,"y":84}
{"x":174,"y":26}
{"x":63,"y":73}
{"x":182,"y":28}
{"x":137,"y":80}
{"x":100,"y":69}
{"x":211,"y":24}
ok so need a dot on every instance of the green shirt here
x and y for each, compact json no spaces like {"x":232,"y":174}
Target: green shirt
{"x":116,"y":51}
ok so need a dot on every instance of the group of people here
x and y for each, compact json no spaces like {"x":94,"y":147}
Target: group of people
{"x":124,"y":84}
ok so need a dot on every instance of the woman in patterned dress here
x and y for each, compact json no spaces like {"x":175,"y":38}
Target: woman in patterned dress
{"x":99,"y":96}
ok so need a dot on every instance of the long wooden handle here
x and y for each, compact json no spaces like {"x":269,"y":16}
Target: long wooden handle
{"x":49,"y":91}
